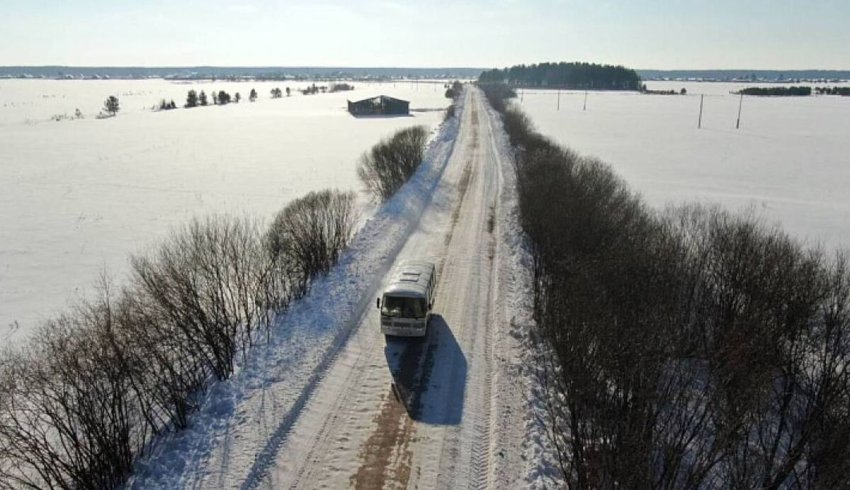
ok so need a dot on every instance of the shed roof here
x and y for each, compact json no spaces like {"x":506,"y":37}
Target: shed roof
{"x":379,"y":98}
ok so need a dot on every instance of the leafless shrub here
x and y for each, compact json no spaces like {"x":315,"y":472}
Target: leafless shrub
{"x":518,"y":126}
{"x":72,"y":418}
{"x":308,"y":235}
{"x":774,"y":329}
{"x":170,"y":366}
{"x":497,"y":94}
{"x":392,"y":162}
{"x":206,"y":286}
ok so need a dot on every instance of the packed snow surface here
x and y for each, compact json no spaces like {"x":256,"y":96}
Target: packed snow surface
{"x":788,"y":161}
{"x":77,"y":196}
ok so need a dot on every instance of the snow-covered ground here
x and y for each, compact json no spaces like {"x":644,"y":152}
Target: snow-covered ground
{"x":78,"y":196}
{"x":330,"y":404}
{"x":788,"y":161}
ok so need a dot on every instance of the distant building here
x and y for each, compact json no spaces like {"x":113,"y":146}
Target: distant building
{"x":379,"y":106}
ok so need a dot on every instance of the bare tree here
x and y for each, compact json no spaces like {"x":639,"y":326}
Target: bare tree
{"x":393,"y":161}
{"x":310,"y":233}
{"x":75,"y":419}
{"x":203,"y":281}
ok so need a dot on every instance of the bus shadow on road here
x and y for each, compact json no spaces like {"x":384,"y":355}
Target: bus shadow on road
{"x":429,"y":375}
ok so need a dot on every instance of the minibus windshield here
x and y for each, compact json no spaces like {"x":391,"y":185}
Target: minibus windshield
{"x":403,"y":307}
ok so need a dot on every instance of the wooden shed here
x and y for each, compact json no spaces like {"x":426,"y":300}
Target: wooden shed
{"x":379,"y":106}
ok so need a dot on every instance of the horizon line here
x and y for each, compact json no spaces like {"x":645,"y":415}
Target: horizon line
{"x":398,"y":67}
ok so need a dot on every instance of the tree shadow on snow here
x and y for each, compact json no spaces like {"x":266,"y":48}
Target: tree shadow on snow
{"x":429,"y":374}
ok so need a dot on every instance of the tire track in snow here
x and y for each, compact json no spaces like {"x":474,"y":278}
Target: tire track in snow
{"x":330,"y":424}
{"x":465,"y":455}
{"x":482,"y":449}
{"x":388,"y":447}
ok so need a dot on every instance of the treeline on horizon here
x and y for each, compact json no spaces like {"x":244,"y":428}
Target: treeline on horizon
{"x":745,"y":75}
{"x":843,"y":91}
{"x":801,"y":91}
{"x":574,"y":75}
{"x":778,"y":91}
{"x":260,"y":73}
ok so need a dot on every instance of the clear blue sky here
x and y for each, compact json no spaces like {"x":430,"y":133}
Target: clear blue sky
{"x":664,"y":34}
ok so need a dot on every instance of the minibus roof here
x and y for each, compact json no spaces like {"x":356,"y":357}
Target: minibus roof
{"x":410,"y":278}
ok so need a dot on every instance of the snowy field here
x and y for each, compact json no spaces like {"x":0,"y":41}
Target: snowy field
{"x":77,"y":196}
{"x":788,"y":162}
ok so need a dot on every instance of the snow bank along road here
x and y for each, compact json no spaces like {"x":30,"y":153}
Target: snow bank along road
{"x":353,"y":409}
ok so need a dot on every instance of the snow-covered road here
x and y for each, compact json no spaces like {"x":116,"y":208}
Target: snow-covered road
{"x":352,"y":409}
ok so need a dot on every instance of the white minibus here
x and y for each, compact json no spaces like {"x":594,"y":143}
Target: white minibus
{"x":406,"y":303}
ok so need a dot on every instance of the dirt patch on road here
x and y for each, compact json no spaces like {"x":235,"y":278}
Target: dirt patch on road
{"x":387,"y":455}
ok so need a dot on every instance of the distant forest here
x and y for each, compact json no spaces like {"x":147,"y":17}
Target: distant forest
{"x":566,"y":75}
{"x":778,"y":91}
{"x":844,"y":91}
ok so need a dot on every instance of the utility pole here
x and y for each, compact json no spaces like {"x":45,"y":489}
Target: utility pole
{"x":699,"y":124}
{"x":585,"y":101}
{"x":740,"y":103}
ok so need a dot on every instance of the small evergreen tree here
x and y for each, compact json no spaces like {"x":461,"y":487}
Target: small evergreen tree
{"x":215,"y":98}
{"x":111,"y":105}
{"x":276,"y":93}
{"x":253,"y":95}
{"x":165,"y":105}
{"x":237,"y":98}
{"x":202,"y":98}
{"x":288,"y":92}
{"x":192,"y":99}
